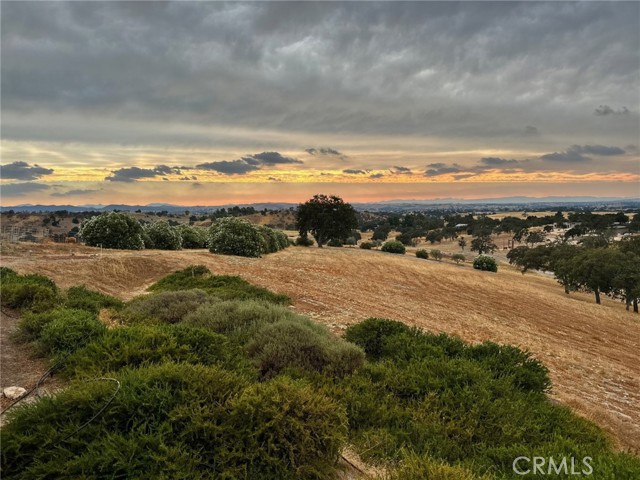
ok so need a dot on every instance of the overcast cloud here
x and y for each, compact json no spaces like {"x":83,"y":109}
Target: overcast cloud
{"x":377,"y":88}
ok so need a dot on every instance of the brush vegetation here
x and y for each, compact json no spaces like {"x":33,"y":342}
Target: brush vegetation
{"x":195,"y":383}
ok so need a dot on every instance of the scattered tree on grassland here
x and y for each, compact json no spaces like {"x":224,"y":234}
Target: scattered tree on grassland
{"x":326,"y":218}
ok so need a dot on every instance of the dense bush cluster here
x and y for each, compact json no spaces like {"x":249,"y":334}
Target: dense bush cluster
{"x":162,"y":236}
{"x":30,"y":292}
{"x":394,"y":246}
{"x":113,"y":230}
{"x":485,"y":263}
{"x":304,"y":242}
{"x":207,"y":377}
{"x":192,"y":236}
{"x":422,"y":253}
{"x":232,"y":236}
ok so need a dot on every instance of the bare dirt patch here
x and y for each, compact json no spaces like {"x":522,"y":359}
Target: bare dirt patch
{"x":591,"y":350}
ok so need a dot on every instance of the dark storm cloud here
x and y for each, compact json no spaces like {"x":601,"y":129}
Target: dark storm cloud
{"x":131,"y":174}
{"x":604,"y":110}
{"x":437,"y":169}
{"x":23,"y":171}
{"x":415,"y":68}
{"x":353,"y":171}
{"x":497,"y":162}
{"x":74,"y":193}
{"x":248,"y":163}
{"x":578,"y":153}
{"x":324,"y":151}
{"x":376,"y":175}
{"x":20,"y":189}
{"x":399,"y":170}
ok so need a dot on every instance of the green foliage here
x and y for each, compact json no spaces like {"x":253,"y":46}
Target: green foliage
{"x":84,"y":299}
{"x":416,"y":467}
{"x":458,"y":258}
{"x":485,"y":263}
{"x":483,"y":244}
{"x":164,"y":307}
{"x":237,"y":319}
{"x":193,"y":237}
{"x":436,"y":254}
{"x":287,"y":431}
{"x":69,"y":330}
{"x":162,"y":236}
{"x":290,"y":344}
{"x":28,"y":292}
{"x":367,"y":245}
{"x":326,"y":218}
{"x":113,"y":230}
{"x":140,"y":346}
{"x":304,"y":241}
{"x":232,"y":236}
{"x":422,"y":253}
{"x":371,"y":335}
{"x":394,"y":246}
{"x":334,"y":242}
{"x":224,"y":287}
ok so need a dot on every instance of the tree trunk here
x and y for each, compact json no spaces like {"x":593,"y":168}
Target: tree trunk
{"x":566,"y":288}
{"x":635,"y":305}
{"x":319,"y":240}
{"x":597,"y":292}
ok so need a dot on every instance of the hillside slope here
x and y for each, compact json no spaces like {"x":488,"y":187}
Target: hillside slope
{"x":591,"y":350}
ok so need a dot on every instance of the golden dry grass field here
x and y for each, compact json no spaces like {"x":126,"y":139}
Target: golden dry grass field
{"x":591,"y":350}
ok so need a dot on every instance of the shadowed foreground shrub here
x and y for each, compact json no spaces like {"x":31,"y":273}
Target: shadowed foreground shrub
{"x":68,"y":331}
{"x":304,"y":242}
{"x":203,"y":422}
{"x":224,"y":287}
{"x":146,"y":345}
{"x":302,"y":345}
{"x":422,"y":253}
{"x":239,"y":319}
{"x":367,"y":245}
{"x":164,"y":307}
{"x":28,"y":292}
{"x":84,"y":299}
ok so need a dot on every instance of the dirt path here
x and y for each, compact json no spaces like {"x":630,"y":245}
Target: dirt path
{"x":592,"y":350}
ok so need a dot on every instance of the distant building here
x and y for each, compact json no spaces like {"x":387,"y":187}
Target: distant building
{"x":460,"y":226}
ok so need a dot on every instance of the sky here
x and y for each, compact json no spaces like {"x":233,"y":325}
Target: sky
{"x":203,"y":103}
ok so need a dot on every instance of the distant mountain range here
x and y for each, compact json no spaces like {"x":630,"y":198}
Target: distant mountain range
{"x":500,"y":203}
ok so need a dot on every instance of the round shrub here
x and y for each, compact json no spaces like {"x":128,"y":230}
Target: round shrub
{"x":422,"y":253}
{"x":304,"y":242}
{"x":239,"y":319}
{"x":271,"y":243}
{"x":302,"y":345}
{"x":283,"y":240}
{"x":69,"y":330}
{"x":485,"y":263}
{"x":162,"y":236}
{"x":193,"y":237}
{"x":164,"y":307}
{"x":232,"y":236}
{"x":28,"y":292}
{"x":458,"y":258}
{"x":113,"y":230}
{"x":84,"y":299}
{"x":286,"y":430}
{"x":335,"y":242}
{"x":436,"y":254}
{"x":394,"y":246}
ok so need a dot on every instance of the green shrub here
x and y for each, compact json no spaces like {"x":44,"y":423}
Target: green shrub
{"x":394,"y":246}
{"x":422,"y":253}
{"x":84,"y":299}
{"x":485,"y":263}
{"x":69,"y":330}
{"x":304,"y":241}
{"x":28,"y":292}
{"x":507,"y":361}
{"x":436,"y":254}
{"x":224,"y":287}
{"x":193,"y":237}
{"x":113,"y":230}
{"x":304,"y":345}
{"x":271,"y":243}
{"x":367,"y":245}
{"x":458,"y":258}
{"x":232,"y":236}
{"x":164,"y":307}
{"x":7,"y":274}
{"x":372,"y":333}
{"x":287,"y":431}
{"x":145,"y":345}
{"x":335,"y":242}
{"x":162,"y":236}
{"x":283,"y":240}
{"x":239,"y":319}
